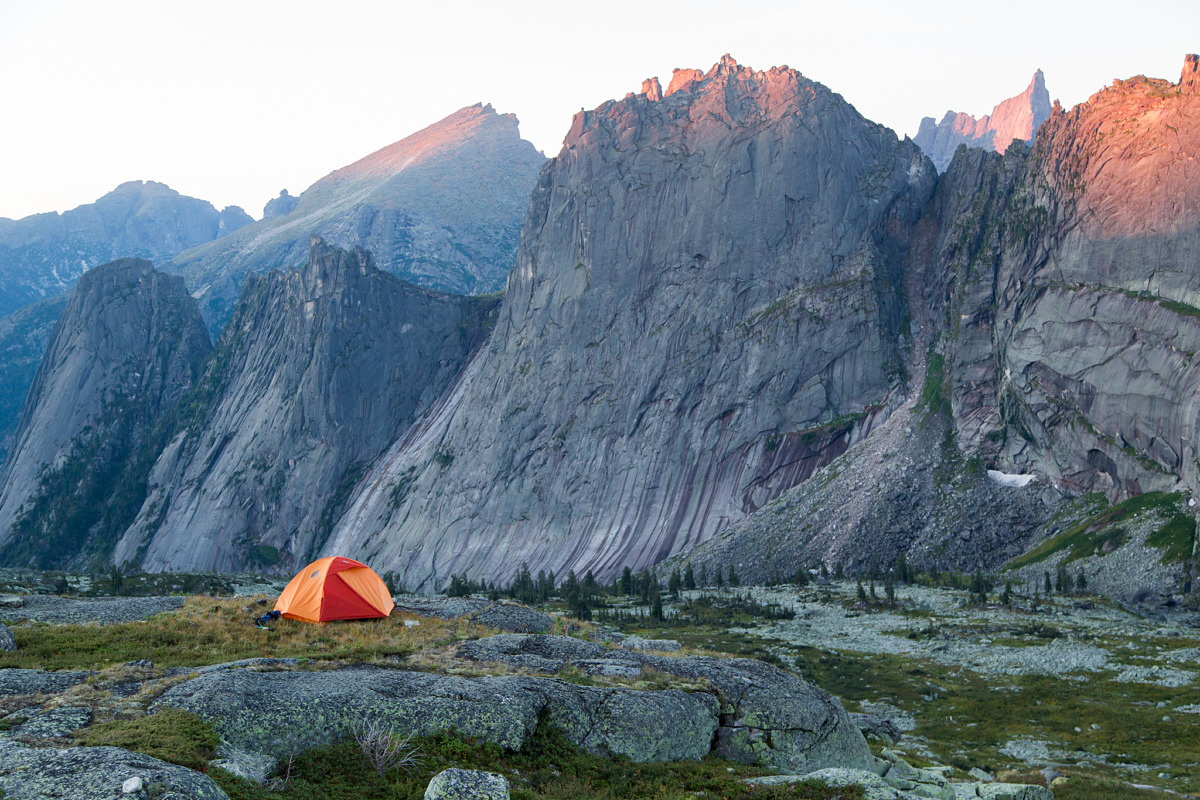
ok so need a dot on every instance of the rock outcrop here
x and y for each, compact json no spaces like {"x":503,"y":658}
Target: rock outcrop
{"x":126,"y":348}
{"x":705,"y":309}
{"x":1015,"y":118}
{"x":44,"y":254}
{"x":36,"y":773}
{"x":754,"y":712}
{"x":441,"y":208}
{"x":768,"y":716}
{"x":319,"y":370}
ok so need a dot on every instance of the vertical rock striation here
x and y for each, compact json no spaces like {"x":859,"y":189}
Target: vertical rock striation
{"x":704,"y":309}
{"x":127,"y":347}
{"x":319,"y":370}
{"x":1015,"y":118}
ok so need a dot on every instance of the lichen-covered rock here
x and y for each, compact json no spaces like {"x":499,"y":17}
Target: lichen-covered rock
{"x":28,"y":773}
{"x":668,"y":725}
{"x":283,"y":712}
{"x":514,"y":618}
{"x":36,"y":681}
{"x":277,"y":713}
{"x":467,"y":784}
{"x":56,"y":723}
{"x":510,"y":617}
{"x":555,"y":651}
{"x":767,"y":716}
{"x":253,"y":767}
{"x":1012,"y":791}
{"x":7,"y":642}
{"x":874,"y":787}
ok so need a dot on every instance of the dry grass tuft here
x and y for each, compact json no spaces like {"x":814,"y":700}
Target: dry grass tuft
{"x":209,"y":630}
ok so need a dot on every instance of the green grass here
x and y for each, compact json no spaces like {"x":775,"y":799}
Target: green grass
{"x":1086,"y":538}
{"x":935,"y":394}
{"x":548,"y":766}
{"x":171,"y":735}
{"x":1176,"y":539}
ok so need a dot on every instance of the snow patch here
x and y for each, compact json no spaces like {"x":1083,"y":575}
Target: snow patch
{"x":1005,"y":479}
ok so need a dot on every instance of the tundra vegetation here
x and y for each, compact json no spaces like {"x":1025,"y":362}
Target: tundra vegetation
{"x":940,"y":655}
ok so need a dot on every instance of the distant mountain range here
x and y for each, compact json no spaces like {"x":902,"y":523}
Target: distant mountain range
{"x":442,"y":208}
{"x":44,"y":254}
{"x":1017,"y":117}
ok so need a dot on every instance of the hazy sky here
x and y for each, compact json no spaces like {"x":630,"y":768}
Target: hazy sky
{"x":233,"y":101}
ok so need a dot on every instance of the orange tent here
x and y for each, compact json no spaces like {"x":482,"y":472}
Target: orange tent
{"x":335,"y":588}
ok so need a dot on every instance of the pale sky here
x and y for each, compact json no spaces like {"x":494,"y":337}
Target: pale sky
{"x":233,"y":101}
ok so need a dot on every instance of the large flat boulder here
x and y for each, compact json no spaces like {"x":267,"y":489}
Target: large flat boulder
{"x":28,"y":773}
{"x":281,"y":712}
{"x":35,"y":681}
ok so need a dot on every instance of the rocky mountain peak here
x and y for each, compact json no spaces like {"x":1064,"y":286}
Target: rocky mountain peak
{"x":702,"y":311}
{"x":1189,"y":79}
{"x":1018,"y":117}
{"x":728,"y":94}
{"x":442,"y":208}
{"x":319,"y":369}
{"x":652,"y":89}
{"x":127,"y":347}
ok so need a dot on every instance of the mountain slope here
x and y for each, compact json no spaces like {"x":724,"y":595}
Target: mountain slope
{"x":703,"y":311}
{"x":319,"y":370}
{"x":126,"y":347}
{"x":441,"y":208}
{"x":23,"y":337}
{"x":44,"y":254}
{"x":1015,"y":118}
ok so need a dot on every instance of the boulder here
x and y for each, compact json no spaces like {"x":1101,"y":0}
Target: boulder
{"x":282,"y":712}
{"x":57,"y":723}
{"x":7,"y":642}
{"x":514,"y":618}
{"x":36,"y":681}
{"x":768,"y":716}
{"x":467,"y":784}
{"x":873,"y":727}
{"x":509,"y":617}
{"x":772,"y":717}
{"x":253,"y":767}
{"x":277,"y":713}
{"x":28,"y":773}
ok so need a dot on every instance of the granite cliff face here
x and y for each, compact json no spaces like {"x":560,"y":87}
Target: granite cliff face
{"x":1097,"y":297}
{"x":1063,"y":293}
{"x":23,"y":337}
{"x":705,"y":308}
{"x":318,"y":371}
{"x":1015,"y":118}
{"x":44,"y":254}
{"x":127,"y":346}
{"x":441,"y":208}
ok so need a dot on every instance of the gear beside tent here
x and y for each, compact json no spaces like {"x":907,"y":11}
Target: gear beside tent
{"x":335,"y":588}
